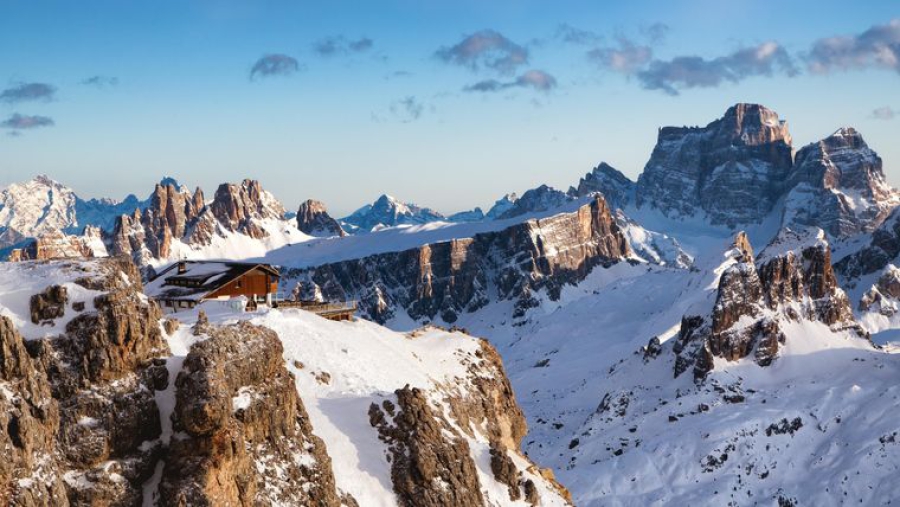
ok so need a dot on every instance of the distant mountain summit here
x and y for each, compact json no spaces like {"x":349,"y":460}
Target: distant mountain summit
{"x":43,"y":205}
{"x":387,"y":211}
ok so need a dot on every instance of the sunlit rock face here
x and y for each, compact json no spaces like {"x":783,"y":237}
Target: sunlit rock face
{"x":838,"y":184}
{"x":732,"y":170}
{"x":446,"y":279}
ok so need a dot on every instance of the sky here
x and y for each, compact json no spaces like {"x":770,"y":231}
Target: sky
{"x":448,"y":105}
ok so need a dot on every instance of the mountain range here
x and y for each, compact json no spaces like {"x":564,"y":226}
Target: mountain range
{"x":720,"y":331}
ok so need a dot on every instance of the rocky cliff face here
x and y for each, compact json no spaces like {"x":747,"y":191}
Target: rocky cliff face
{"x":443,"y":280}
{"x":313,"y":219}
{"x":882,"y":248}
{"x":79,"y":401}
{"x":738,"y":168}
{"x":240,"y":208}
{"x":792,"y":280}
{"x":732,"y":169}
{"x":431,"y":460}
{"x":247,"y":438}
{"x":838,"y":184}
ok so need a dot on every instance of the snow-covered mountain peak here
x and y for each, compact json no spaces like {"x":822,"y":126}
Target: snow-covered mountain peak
{"x":34,"y":207}
{"x":388,"y":211}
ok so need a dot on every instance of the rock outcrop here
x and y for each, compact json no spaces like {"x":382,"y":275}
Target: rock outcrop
{"x":884,"y":296}
{"x":732,"y":170}
{"x":792,"y":279}
{"x":444,"y":279}
{"x":431,"y":463}
{"x":175,"y":215}
{"x":150,"y":233}
{"x":248,"y":439}
{"x":838,"y":184}
{"x":56,"y":244}
{"x":240,"y":208}
{"x":429,"y":446}
{"x":313,"y":219}
{"x":82,"y":415}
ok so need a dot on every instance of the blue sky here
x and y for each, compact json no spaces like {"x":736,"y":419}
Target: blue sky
{"x":446,"y":104}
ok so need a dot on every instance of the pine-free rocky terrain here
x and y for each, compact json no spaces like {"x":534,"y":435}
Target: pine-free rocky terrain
{"x":720,"y":331}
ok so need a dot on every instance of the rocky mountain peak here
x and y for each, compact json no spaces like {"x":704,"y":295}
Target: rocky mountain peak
{"x":791,"y":280}
{"x":732,"y":170}
{"x":313,"y":219}
{"x":388,"y":211}
{"x":235,"y":206}
{"x":542,"y":198}
{"x":616,"y":188}
{"x":751,"y":124}
{"x":502,"y":205}
{"x":838,"y":184}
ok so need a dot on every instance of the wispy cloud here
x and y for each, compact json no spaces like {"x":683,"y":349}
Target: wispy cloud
{"x":274,"y":65}
{"x":24,"y":122}
{"x":877,"y":47}
{"x":340,"y":45}
{"x":100,"y":81}
{"x":672,"y":76}
{"x":407,"y":109}
{"x":24,"y":92}
{"x":486,"y":48}
{"x":536,"y":79}
{"x":626,"y":56}
{"x":884,"y":113}
{"x":572,"y":35}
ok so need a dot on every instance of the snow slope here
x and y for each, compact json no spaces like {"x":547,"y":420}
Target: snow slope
{"x":341,"y":368}
{"x":600,"y":415}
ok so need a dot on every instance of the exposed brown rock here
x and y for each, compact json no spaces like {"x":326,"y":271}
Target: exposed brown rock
{"x":313,"y":219}
{"x":491,"y":404}
{"x":794,"y":272}
{"x":84,"y":411}
{"x":55,"y":244}
{"x":168,"y":217}
{"x":428,"y":469}
{"x":49,"y":305}
{"x":505,"y":471}
{"x":236,"y":206}
{"x":30,"y":420}
{"x":248,"y":438}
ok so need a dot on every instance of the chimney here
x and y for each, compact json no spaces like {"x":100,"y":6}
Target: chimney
{"x":182,"y":267}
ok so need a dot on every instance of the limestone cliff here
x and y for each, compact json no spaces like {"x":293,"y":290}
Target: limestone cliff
{"x":443,"y":280}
